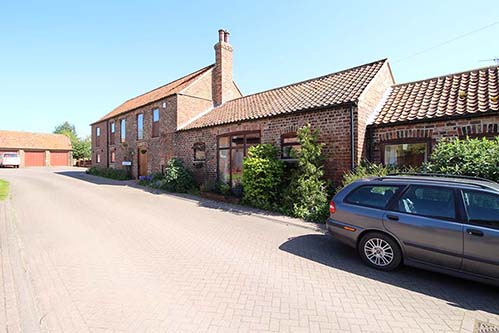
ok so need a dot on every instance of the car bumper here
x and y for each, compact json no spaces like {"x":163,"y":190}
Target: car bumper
{"x":343,"y":232}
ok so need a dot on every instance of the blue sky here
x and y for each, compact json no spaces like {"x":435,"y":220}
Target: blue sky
{"x":64,"y":60}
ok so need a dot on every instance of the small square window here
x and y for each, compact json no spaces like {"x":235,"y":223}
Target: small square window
{"x":406,"y":154}
{"x":290,"y":146}
{"x":199,"y":151}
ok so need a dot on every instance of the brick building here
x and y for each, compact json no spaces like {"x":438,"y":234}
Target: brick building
{"x":412,"y":117}
{"x":204,"y":120}
{"x":37,"y":149}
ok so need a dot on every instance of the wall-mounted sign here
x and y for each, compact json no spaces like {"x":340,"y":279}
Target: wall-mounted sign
{"x":126,"y":163}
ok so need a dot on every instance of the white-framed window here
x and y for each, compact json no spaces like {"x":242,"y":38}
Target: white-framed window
{"x":405,"y":154}
{"x":140,"y":126}
{"x":97,"y":131}
{"x":123,"y":130}
{"x":98,"y":158}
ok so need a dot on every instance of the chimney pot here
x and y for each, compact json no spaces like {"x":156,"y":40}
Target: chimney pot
{"x":221,"y":35}
{"x":226,"y":36}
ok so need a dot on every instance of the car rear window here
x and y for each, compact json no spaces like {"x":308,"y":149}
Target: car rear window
{"x":376,"y":196}
{"x":10,"y":155}
{"x":482,"y":208}
{"x":428,"y":201}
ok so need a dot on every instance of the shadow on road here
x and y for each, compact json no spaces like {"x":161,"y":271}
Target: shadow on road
{"x":201,"y":202}
{"x":456,"y":292}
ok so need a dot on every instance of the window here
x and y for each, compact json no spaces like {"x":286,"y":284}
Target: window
{"x":155,"y":123}
{"x":113,"y":131}
{"x":482,"y":208}
{"x":376,"y":196}
{"x":98,"y":158}
{"x":123,"y":130}
{"x":406,"y":154}
{"x":199,"y":151}
{"x":97,"y":135}
{"x":113,"y":157}
{"x":289,"y":146}
{"x":429,"y":201}
{"x":232,"y":148}
{"x":140,"y":126}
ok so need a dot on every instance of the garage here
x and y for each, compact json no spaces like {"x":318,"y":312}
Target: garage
{"x":37,"y":149}
{"x":34,"y":158}
{"x":58,"y":158}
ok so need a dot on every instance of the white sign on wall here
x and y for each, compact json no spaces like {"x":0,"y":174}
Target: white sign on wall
{"x":126,"y":163}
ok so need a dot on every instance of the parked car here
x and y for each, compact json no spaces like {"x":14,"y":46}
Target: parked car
{"x":10,"y":159}
{"x":443,"y":223}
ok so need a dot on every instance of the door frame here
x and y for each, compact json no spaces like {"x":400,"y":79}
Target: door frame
{"x":139,"y":169}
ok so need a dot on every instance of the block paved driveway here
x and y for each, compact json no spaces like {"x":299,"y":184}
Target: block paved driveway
{"x":88,"y":254}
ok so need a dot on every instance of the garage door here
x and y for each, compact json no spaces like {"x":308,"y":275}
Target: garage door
{"x":58,"y":158}
{"x":34,"y":158}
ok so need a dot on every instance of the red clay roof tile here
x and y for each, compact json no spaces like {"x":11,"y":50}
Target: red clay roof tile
{"x":27,"y":140}
{"x":329,"y":90}
{"x":470,"y":92}
{"x":156,"y":94}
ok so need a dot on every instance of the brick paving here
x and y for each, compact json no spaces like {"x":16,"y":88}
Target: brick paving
{"x":101,"y":256}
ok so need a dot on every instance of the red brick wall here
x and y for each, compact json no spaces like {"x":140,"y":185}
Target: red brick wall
{"x":368,"y":102}
{"x":433,"y":131}
{"x":102,"y":147}
{"x":333,"y":124}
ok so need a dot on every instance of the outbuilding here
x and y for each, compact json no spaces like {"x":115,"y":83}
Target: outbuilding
{"x":37,"y":149}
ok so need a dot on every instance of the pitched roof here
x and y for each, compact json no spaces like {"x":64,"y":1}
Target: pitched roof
{"x":27,"y":140}
{"x":471,"y":92}
{"x":329,"y":90}
{"x":156,"y":94}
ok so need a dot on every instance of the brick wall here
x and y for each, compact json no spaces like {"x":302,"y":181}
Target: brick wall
{"x":333,"y":124}
{"x":368,"y":102}
{"x":433,"y":131}
{"x":100,"y":146}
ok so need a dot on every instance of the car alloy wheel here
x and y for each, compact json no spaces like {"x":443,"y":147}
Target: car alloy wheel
{"x":379,"y":252}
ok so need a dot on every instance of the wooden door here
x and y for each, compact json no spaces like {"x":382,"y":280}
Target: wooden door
{"x":142,"y":162}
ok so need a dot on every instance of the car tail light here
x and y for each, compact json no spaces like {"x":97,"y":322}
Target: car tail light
{"x":332,"y":207}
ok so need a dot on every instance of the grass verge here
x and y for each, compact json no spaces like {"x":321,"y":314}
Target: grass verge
{"x":4,"y":189}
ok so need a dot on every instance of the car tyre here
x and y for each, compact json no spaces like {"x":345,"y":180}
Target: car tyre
{"x":380,"y":251}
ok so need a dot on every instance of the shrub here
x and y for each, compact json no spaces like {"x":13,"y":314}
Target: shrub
{"x":176,"y":178}
{"x":366,"y":169}
{"x":307,"y":196}
{"x":470,"y":157}
{"x":118,"y":174}
{"x":262,"y":177}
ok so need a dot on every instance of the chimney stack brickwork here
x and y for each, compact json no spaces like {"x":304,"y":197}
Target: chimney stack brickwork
{"x":222,"y":73}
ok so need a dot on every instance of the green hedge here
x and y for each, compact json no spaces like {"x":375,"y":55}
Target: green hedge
{"x":470,"y":157}
{"x":176,"y":178}
{"x":262,"y":177}
{"x":118,"y":174}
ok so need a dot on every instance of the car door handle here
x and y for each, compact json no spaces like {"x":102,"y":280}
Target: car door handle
{"x":474,"y":232}
{"x":392,"y":217}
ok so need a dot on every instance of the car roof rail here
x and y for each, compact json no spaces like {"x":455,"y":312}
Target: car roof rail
{"x":441,"y":175}
{"x":436,"y":175}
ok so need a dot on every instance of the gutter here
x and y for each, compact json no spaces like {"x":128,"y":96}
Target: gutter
{"x":353,"y":106}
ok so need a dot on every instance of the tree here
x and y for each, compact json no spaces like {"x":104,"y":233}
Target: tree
{"x":307,"y":195}
{"x":68,"y":130}
{"x":81,"y":147}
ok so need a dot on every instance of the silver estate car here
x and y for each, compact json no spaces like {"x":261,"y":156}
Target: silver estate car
{"x":443,"y":223}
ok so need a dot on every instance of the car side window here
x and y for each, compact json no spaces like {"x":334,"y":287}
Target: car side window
{"x":376,"y":196}
{"x":482,"y":208}
{"x":430,"y":201}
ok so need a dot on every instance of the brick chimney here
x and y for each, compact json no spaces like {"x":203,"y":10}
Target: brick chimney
{"x":222,"y":73}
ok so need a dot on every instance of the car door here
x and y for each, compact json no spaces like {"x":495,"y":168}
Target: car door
{"x":481,"y":233}
{"x":425,"y":219}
